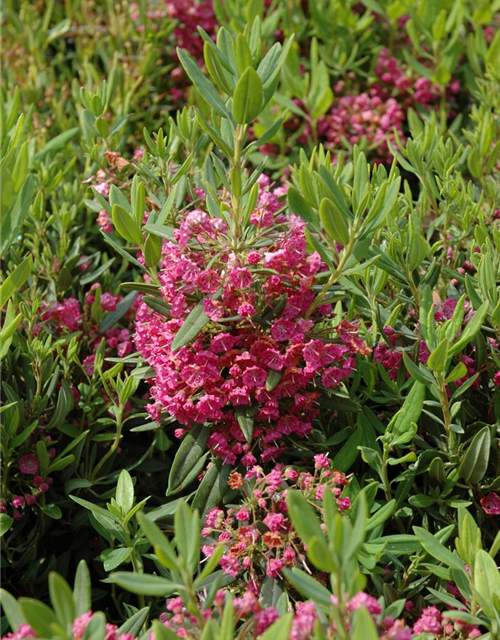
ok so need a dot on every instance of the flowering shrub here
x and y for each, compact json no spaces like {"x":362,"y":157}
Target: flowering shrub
{"x":250,"y":320}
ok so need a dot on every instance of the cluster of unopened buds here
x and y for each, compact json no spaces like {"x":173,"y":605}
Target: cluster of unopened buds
{"x":31,"y":482}
{"x":395,"y":80}
{"x":70,"y":315}
{"x":257,"y":534}
{"x":78,"y":630}
{"x":254,"y":616}
{"x":264,"y":351}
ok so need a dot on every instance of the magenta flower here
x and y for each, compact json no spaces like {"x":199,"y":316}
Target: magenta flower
{"x":29,"y":464}
{"x":491,"y":504}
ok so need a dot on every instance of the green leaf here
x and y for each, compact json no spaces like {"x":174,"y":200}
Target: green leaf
{"x":159,"y":541}
{"x":187,"y":536}
{"x":56,"y":144}
{"x":363,"y":627}
{"x":122,"y":251}
{"x":162,"y":632}
{"x":5,"y":523}
{"x":189,"y":459}
{"x":82,"y":597}
{"x":473,"y":326}
{"x":309,"y":587}
{"x":116,"y":558}
{"x":438,"y":358}
{"x":248,"y":97}
{"x":12,"y":220}
{"x":456,"y":373}
{"x":13,"y":283}
{"x":333,"y":221}
{"x":12,"y":610}
{"x":125,"y":491}
{"x":191,"y":327}
{"x":205,"y":88}
{"x":475,"y":461}
{"x":152,"y":251}
{"x":300,"y":206}
{"x":486,"y":581}
{"x":143,"y":584}
{"x":211,"y":564}
{"x":213,"y":487}
{"x":418,"y":372}
{"x":62,"y":600}
{"x":134,"y":624}
{"x":437,"y":550}
{"x":400,"y":426}
{"x":303,"y":517}
{"x":126,"y":226}
{"x":244,"y":416}
{"x":39,"y":616}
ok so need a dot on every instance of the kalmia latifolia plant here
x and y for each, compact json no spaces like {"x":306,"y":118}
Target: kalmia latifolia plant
{"x":250,"y":320}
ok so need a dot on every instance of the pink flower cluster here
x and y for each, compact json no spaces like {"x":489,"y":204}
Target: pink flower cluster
{"x":66,"y":314}
{"x":257,"y":533}
{"x":79,"y":626}
{"x":432,"y":621}
{"x":360,"y":118}
{"x":403,"y":84}
{"x":191,"y":14}
{"x":260,"y":352}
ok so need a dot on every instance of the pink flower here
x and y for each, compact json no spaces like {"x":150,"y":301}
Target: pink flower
{"x":241,"y":278}
{"x":274,"y":521}
{"x":321,"y":461}
{"x":491,"y":504}
{"x":109,"y":301}
{"x":209,"y":281}
{"x":343,"y":503}
{"x":264,"y":619}
{"x":17,"y":502}
{"x":243,"y":515}
{"x":88,"y":365}
{"x":80,"y":624}
{"x":429,"y":621}
{"x":283,"y":330}
{"x":29,"y":464}
{"x":246,"y":310}
{"x":254,"y":377}
{"x":273,"y":567}
{"x":24,"y":631}
{"x":362,"y":599}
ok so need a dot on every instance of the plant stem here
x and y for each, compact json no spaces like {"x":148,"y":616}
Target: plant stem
{"x":335,"y":276}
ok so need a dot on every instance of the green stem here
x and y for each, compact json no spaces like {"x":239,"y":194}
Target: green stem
{"x":236,"y":175}
{"x":335,"y":276}
{"x":114,"y":446}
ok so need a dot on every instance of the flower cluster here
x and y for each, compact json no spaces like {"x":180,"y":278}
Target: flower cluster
{"x":360,"y":118}
{"x":257,"y":533}
{"x":260,"y":351}
{"x":78,"y":629}
{"x":432,"y":621}
{"x":395,"y":80}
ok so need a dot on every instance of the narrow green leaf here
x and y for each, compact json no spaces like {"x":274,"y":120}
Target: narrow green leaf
{"x":126,"y":226}
{"x":62,"y":600}
{"x":13,"y":283}
{"x":82,"y":597}
{"x":333,"y":221}
{"x":191,"y":327}
{"x":248,"y":97}
{"x":475,"y":461}
{"x":438,"y":358}
{"x":143,"y":584}
{"x":205,"y":88}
